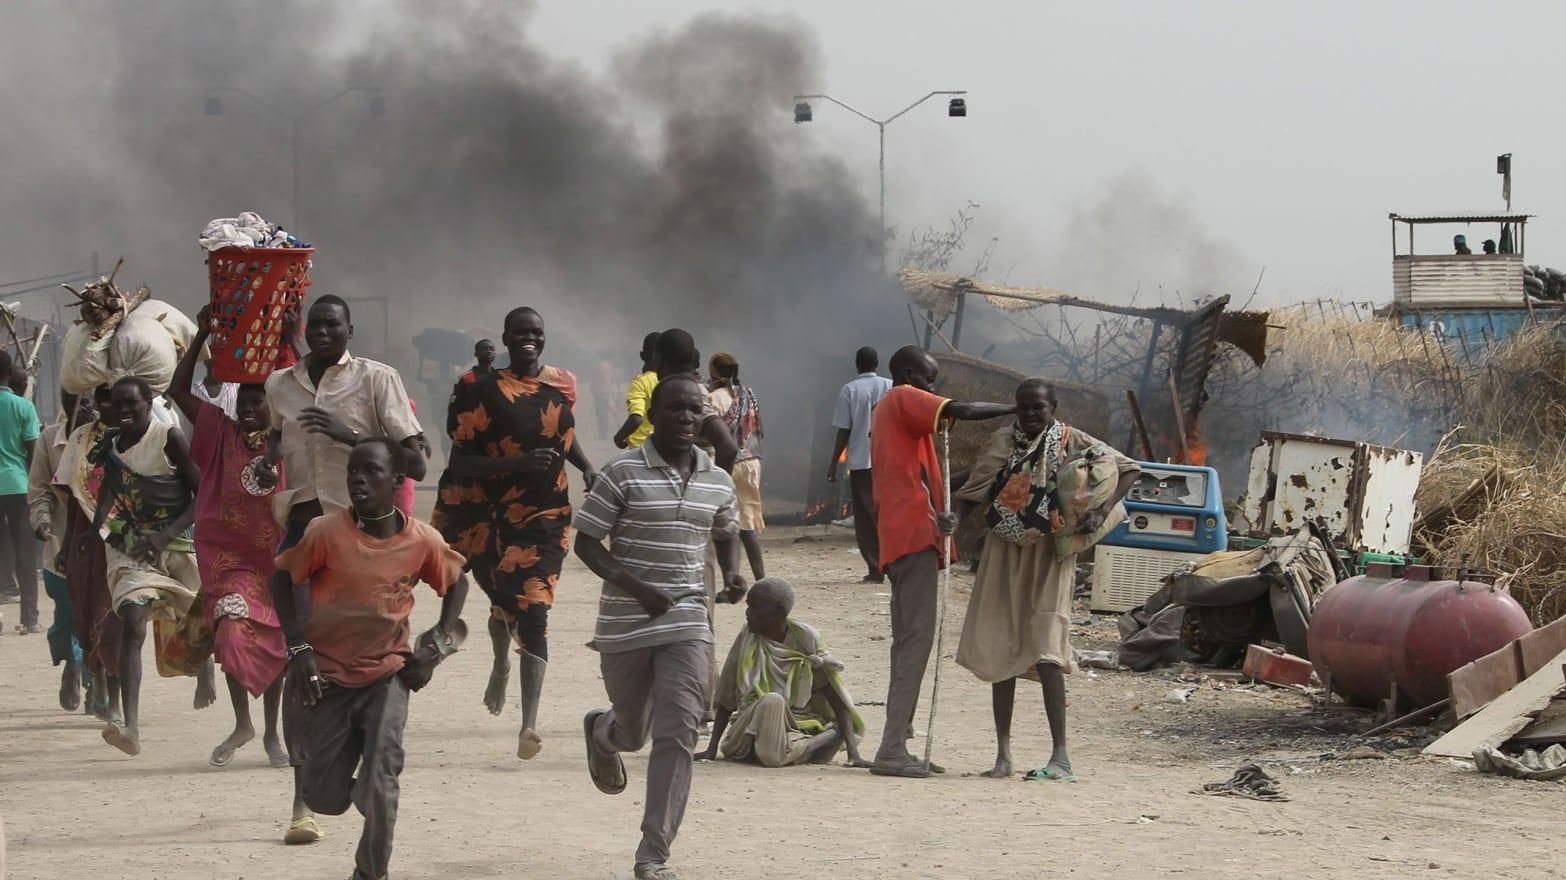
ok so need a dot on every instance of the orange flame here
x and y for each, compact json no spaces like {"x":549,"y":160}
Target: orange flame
{"x":1197,"y":447}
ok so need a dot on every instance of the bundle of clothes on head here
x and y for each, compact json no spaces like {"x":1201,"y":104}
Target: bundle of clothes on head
{"x":248,"y":230}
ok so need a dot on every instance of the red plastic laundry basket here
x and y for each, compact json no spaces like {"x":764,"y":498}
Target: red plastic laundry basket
{"x":252,"y":288}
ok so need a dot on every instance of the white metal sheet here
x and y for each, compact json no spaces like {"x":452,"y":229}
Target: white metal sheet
{"x":1387,"y":510}
{"x":1313,"y":479}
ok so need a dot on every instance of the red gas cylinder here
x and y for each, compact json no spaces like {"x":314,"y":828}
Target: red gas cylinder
{"x":1375,"y":630}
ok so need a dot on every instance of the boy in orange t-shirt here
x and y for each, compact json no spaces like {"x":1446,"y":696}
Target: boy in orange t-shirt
{"x":350,"y":665}
{"x":910,"y":495}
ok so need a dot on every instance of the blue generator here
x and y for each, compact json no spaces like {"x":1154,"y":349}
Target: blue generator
{"x":1174,"y":516}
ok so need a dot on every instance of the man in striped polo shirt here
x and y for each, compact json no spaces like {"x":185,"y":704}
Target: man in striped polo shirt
{"x":658,"y":506}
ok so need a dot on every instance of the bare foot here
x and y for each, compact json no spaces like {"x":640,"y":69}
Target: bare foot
{"x":495,"y":694}
{"x":125,"y":739}
{"x":206,"y":694}
{"x":276,"y":755}
{"x":529,"y":744}
{"x":1059,"y":764}
{"x":1001,"y":770}
{"x":224,"y":753}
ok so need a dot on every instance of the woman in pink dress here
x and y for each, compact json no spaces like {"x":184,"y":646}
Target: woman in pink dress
{"x":236,"y":540}
{"x":404,"y":500}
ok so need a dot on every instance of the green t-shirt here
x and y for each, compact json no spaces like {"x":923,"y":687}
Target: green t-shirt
{"x":18,"y":424}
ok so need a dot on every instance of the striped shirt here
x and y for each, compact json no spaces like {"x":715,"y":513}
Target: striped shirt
{"x":658,"y":529}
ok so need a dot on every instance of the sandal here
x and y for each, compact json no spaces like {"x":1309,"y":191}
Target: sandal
{"x":1049,"y":774}
{"x":655,"y":871}
{"x":302,"y":830}
{"x":904,"y":767}
{"x":607,"y":770}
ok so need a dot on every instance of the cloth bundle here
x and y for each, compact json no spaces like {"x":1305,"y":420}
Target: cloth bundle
{"x":248,"y":230}
{"x":146,"y":343}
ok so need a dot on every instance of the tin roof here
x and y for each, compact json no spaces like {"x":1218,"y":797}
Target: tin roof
{"x":1461,"y":217}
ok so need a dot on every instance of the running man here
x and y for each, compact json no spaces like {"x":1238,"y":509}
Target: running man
{"x":505,"y":503}
{"x":658,"y":507}
{"x":236,"y":538}
{"x":351,"y":665}
{"x":321,"y":408}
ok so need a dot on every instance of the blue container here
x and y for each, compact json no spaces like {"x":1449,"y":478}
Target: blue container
{"x":1173,"y":507}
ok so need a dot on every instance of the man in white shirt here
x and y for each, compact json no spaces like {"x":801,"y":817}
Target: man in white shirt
{"x":851,"y":418}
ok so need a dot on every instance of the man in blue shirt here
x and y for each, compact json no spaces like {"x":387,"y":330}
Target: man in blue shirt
{"x":851,"y":418}
{"x":18,"y":432}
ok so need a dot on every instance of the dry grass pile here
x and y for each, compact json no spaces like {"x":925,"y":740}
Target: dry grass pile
{"x":1493,"y":495}
{"x":1500,"y":508}
{"x":1519,"y":392}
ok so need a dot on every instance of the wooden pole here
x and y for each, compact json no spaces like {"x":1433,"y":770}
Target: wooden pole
{"x":1404,"y":719}
{"x":962,"y":300}
{"x":1179,"y":415}
{"x":1138,"y":427}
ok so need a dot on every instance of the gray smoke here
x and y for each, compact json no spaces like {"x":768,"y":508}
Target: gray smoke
{"x":1134,"y":235}
{"x":673,"y":192}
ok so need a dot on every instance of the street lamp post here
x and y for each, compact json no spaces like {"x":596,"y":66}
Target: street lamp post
{"x":956,"y":107}
{"x":214,"y":107}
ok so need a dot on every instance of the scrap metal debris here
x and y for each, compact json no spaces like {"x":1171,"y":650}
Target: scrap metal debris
{"x":1250,"y":781}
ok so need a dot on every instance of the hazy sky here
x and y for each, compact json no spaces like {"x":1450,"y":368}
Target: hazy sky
{"x":1281,"y":135}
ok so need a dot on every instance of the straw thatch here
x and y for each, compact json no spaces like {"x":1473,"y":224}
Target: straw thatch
{"x":1492,"y":494}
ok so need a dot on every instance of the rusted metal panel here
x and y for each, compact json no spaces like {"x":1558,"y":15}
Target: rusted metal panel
{"x":1362,"y":492}
{"x":1386,"y":497}
{"x":1457,"y":280}
{"x":1194,"y":357}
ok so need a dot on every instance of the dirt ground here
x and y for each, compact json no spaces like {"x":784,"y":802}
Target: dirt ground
{"x":74,"y":808}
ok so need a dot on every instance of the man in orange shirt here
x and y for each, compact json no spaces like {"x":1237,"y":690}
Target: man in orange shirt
{"x":350,"y":665}
{"x":910,"y":495}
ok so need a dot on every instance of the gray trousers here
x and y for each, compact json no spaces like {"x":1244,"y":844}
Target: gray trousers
{"x":658,"y":693}
{"x":862,"y":490}
{"x":914,"y":609}
{"x":354,"y":729}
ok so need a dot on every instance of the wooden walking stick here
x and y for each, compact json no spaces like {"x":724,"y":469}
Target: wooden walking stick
{"x":946,"y":580}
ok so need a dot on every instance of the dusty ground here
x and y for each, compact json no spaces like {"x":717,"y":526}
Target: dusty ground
{"x":74,"y":808}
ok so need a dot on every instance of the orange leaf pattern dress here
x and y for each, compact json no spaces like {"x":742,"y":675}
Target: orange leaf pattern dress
{"x":513,"y":529}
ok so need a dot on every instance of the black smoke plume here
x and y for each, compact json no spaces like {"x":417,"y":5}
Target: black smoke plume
{"x":673,"y":191}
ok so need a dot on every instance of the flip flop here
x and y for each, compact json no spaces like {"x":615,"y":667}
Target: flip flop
{"x":905,"y":767}
{"x":303,"y":830}
{"x":608,"y":777}
{"x":1048,"y":774}
{"x":222,"y":756}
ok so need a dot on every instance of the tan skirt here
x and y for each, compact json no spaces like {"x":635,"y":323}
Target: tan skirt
{"x":1020,"y":612}
{"x":747,"y":495}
